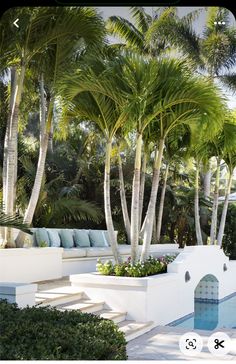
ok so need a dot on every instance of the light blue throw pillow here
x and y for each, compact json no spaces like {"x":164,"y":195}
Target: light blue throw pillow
{"x":42,"y":238}
{"x":97,"y":238}
{"x":67,"y":238}
{"x":54,"y":237}
{"x":107,"y":238}
{"x":81,"y":238}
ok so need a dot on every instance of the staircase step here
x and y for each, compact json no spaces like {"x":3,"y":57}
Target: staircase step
{"x":116,"y":317}
{"x":133,"y":329}
{"x":83,"y":305}
{"x":57,"y":296}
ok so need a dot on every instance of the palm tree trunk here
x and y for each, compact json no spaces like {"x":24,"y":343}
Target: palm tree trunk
{"x":11,"y":152}
{"x":152,"y":203}
{"x":42,"y":108}
{"x":12,"y":147}
{"x":144,"y":224}
{"x":44,"y":136}
{"x":134,"y":232}
{"x":207,"y":183}
{"x":196,"y":209}
{"x":142,"y":187}
{"x":107,"y":205}
{"x":44,"y":139}
{"x":224,"y":211}
{"x":161,"y":207}
{"x":6,"y":140}
{"x":123,"y":200}
{"x":154,"y":230}
{"x":50,"y":142}
{"x":7,"y":232}
{"x":215,"y":205}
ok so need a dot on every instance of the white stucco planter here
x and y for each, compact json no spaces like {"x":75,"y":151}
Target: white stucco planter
{"x":165,"y":297}
{"x":26,"y":265}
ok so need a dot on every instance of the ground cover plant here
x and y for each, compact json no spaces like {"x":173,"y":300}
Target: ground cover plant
{"x":49,"y":334}
{"x":149,"y":267}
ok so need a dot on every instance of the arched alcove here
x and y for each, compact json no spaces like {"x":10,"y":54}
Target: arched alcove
{"x":207,"y":289}
{"x":206,"y":297}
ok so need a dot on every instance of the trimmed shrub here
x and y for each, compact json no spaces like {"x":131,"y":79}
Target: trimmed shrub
{"x":48,"y":334}
{"x":150,"y":267}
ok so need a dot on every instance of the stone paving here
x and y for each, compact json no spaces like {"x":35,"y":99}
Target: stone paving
{"x":162,"y":343}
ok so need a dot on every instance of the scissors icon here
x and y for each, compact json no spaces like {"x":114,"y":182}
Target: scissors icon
{"x":218,"y":343}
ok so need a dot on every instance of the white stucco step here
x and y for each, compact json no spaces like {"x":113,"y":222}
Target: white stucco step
{"x":133,"y":329}
{"x":116,"y":317}
{"x":54,"y":299}
{"x":83,"y":305}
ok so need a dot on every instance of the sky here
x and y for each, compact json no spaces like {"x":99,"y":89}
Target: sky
{"x":198,"y":26}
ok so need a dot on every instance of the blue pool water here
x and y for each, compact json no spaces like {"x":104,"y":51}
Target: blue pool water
{"x":210,"y":316}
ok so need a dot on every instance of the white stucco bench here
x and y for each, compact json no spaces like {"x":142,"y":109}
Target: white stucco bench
{"x":82,"y":258}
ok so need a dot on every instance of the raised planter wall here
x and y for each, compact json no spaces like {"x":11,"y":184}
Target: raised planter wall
{"x":27,"y":265}
{"x":166,"y":297}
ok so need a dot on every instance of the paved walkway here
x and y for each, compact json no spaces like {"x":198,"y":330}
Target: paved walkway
{"x":162,"y":343}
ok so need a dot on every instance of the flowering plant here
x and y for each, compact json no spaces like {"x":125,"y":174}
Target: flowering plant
{"x":149,"y":267}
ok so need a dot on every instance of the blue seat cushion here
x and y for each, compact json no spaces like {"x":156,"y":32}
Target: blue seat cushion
{"x":67,"y":240}
{"x":81,"y":238}
{"x":42,"y":237}
{"x":54,"y":237}
{"x":97,"y":238}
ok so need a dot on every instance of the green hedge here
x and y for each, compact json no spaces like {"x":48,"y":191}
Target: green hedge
{"x":49,"y":334}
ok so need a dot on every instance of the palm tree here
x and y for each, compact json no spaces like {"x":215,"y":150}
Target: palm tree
{"x":157,"y":33}
{"x":192,"y":113}
{"x":94,"y":103}
{"x":230,"y":159}
{"x":175,"y":149}
{"x":217,"y":57}
{"x":60,"y":55}
{"x":144,"y":92}
{"x":123,"y":200}
{"x":40,"y":29}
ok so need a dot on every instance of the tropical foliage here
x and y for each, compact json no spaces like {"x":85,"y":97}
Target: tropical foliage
{"x":134,"y":136}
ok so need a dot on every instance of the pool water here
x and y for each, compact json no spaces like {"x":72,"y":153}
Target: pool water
{"x":210,"y":316}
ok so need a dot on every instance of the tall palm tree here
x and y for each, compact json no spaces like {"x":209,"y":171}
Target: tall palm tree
{"x":61,"y":54}
{"x":93,"y":102}
{"x":142,"y":92}
{"x":194,"y":113}
{"x":229,"y":156}
{"x":40,"y":29}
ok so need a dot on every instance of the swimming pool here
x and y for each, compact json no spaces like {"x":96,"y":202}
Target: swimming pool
{"x":210,"y":316}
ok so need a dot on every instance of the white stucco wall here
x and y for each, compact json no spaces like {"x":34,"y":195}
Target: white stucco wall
{"x":26,"y":265}
{"x":162,"y":298}
{"x":22,"y":294}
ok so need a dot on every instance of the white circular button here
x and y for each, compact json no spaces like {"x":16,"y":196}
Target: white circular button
{"x":219,"y":344}
{"x":190,"y":343}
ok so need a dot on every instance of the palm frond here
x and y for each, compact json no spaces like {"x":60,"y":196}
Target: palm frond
{"x":65,"y":210}
{"x":126,"y":31}
{"x":140,"y":17}
{"x":13,"y":221}
{"x":229,"y":80}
